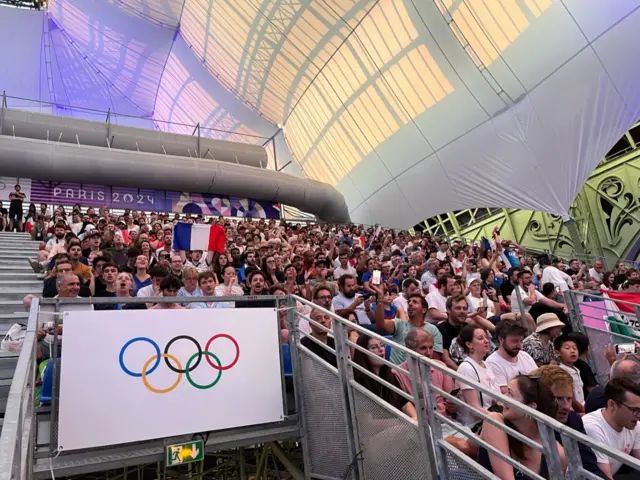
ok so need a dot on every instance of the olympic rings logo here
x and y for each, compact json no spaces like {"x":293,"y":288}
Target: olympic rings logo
{"x":192,"y":363}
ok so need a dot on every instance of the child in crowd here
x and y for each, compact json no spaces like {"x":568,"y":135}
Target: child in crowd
{"x":567,"y":352}
{"x":586,"y":374}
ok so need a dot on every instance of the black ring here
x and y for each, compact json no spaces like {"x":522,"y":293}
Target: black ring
{"x":181,"y":337}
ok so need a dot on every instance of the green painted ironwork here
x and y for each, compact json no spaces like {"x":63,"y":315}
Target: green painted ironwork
{"x":605,"y":215}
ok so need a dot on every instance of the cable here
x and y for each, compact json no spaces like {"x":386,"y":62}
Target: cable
{"x":352,"y":464}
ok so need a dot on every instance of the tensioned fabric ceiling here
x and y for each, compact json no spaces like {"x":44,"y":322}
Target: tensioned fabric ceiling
{"x":410,"y":108}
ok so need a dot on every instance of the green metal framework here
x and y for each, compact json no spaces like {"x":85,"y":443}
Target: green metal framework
{"x":605,"y":214}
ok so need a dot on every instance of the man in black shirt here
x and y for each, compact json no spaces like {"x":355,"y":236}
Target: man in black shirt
{"x":506,"y":288}
{"x":62,"y":267}
{"x":108,"y":279}
{"x":15,"y":208}
{"x":457,"y":312}
{"x":321,"y":336}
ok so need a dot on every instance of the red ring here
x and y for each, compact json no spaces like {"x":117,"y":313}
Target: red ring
{"x":235,"y":360}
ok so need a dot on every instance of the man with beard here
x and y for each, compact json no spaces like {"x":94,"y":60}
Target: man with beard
{"x":247,"y":262}
{"x":58,"y":236}
{"x":509,"y":361}
{"x":348,"y":302}
{"x":416,"y":311}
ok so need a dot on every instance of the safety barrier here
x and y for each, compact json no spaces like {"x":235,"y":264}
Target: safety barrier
{"x":29,"y":437}
{"x":351,"y":432}
{"x":346,"y":431}
{"x":601,"y":319}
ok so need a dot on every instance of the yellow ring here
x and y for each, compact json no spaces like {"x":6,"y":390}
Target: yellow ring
{"x":144,"y":374}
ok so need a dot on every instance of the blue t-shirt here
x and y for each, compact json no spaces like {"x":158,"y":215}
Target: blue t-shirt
{"x":389,"y":314}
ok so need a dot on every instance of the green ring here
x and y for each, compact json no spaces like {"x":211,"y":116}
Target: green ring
{"x":186,"y":371}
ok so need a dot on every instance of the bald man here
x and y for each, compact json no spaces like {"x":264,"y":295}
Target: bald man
{"x":628,"y":367}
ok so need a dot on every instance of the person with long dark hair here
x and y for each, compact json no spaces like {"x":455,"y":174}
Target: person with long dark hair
{"x":530,"y":391}
{"x":372,"y":364}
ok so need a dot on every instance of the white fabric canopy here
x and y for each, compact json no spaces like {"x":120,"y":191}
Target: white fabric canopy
{"x":410,"y":108}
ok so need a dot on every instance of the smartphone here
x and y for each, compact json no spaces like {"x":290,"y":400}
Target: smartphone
{"x":376,"y":277}
{"x":626,"y":348}
{"x":366,"y":295}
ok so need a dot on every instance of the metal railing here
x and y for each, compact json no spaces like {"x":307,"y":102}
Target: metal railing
{"x":18,"y":452}
{"x":17,"y":438}
{"x":441,"y":459}
{"x":587,"y":310}
{"x":347,"y":431}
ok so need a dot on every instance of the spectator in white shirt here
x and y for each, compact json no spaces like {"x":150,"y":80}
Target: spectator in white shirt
{"x":530,"y":295}
{"x":157,"y":275}
{"x":443,"y":253}
{"x":229,"y":288}
{"x":617,"y":426}
{"x":438,"y":300}
{"x":345,"y":267}
{"x":551,"y":274}
{"x":58,"y":236}
{"x":509,"y":360}
{"x":190,"y":287}
{"x":595,"y":273}
{"x":430,"y":276}
{"x":409,"y":286}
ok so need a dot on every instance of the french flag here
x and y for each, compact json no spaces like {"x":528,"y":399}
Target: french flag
{"x":193,"y":236}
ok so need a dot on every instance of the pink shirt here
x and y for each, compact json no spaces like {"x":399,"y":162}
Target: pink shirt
{"x":439,"y":379}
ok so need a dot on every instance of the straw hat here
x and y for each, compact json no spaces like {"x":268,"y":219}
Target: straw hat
{"x":547,"y":321}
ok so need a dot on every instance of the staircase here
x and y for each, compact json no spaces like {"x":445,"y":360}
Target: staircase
{"x":17,"y":280}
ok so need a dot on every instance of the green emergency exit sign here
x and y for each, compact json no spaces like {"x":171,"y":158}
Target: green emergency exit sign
{"x":183,"y":453}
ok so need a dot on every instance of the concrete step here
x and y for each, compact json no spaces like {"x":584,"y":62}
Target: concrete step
{"x":17,"y":268}
{"x":12,"y":305}
{"x":20,"y":243}
{"x":17,"y":251}
{"x":17,"y":236}
{"x":8,"y":363}
{"x":18,"y":293}
{"x":4,"y":282}
{"x":19,"y":276}
{"x":15,"y":262}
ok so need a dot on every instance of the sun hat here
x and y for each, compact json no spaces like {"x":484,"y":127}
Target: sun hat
{"x":547,"y":321}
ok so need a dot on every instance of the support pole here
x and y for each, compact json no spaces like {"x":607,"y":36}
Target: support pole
{"x":572,"y":228}
{"x":293,"y":469}
{"x":108,"y":120}
{"x":2,"y":107}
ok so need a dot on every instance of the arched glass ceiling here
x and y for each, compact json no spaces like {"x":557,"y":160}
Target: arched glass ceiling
{"x":410,"y":108}
{"x":342,"y":76}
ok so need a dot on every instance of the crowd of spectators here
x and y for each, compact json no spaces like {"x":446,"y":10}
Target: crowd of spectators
{"x":488,"y":311}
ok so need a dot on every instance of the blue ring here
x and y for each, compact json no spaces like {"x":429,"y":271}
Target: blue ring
{"x":139,"y":339}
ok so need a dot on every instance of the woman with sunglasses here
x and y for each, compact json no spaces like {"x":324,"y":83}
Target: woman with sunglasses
{"x":372,"y":363}
{"x":530,"y":391}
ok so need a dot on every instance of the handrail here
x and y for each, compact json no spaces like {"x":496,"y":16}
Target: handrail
{"x":12,"y":427}
{"x":542,"y":419}
{"x":115,"y":114}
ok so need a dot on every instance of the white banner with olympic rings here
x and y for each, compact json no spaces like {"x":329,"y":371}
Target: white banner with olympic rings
{"x":132,"y":375}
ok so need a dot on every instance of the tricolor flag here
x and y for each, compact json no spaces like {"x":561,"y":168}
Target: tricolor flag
{"x":194,"y":236}
{"x":619,"y":311}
